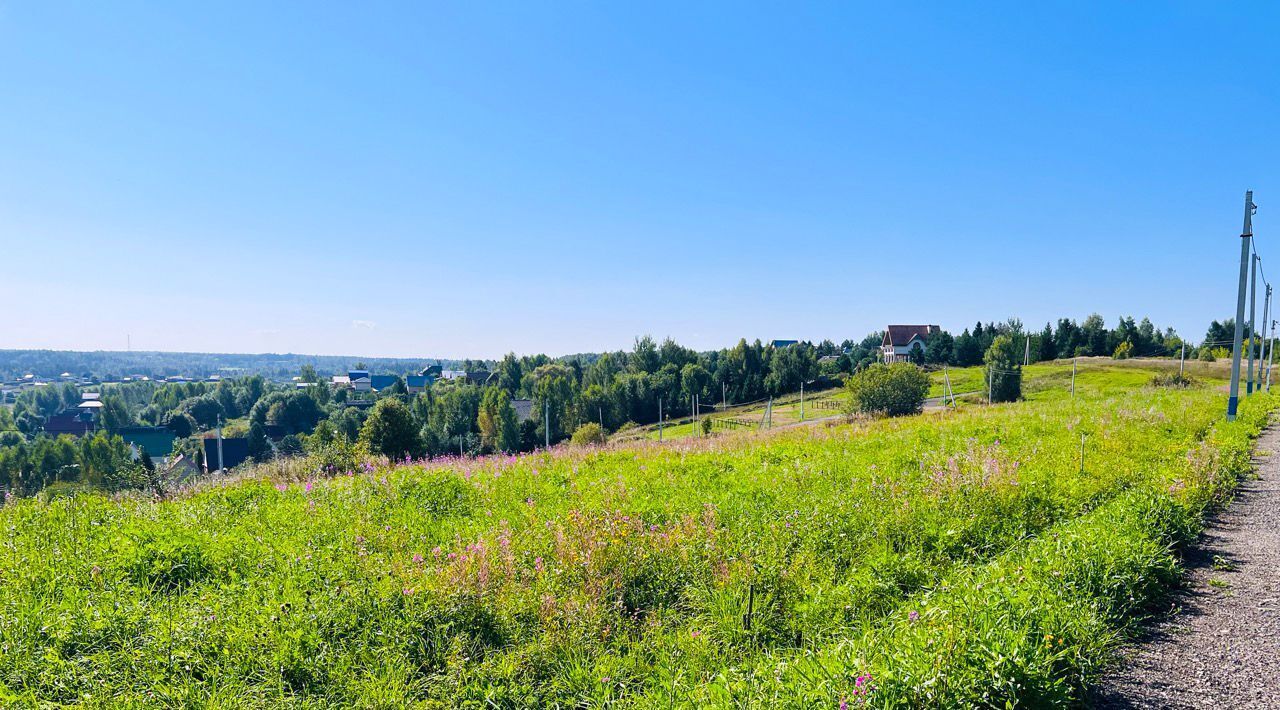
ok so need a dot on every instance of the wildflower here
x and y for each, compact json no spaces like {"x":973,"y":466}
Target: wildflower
{"x":694,"y":633}
{"x":308,"y":486}
{"x":606,"y":679}
{"x":282,"y":487}
{"x":408,"y":591}
{"x":914,"y":615}
{"x":537,"y":564}
{"x":844,"y":704}
{"x":417,"y":559}
{"x":435,"y":551}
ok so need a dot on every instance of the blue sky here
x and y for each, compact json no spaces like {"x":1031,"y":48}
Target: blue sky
{"x":465,"y":179}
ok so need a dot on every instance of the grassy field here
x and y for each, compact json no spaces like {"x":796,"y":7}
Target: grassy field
{"x":956,"y":558}
{"x":1038,"y":378}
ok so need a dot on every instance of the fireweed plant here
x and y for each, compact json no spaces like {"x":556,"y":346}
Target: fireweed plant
{"x":946,"y":559}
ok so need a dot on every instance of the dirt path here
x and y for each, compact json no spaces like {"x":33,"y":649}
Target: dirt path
{"x":1220,"y":648}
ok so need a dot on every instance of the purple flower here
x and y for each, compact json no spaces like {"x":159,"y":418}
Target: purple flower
{"x":913,"y":615}
{"x":417,"y":559}
{"x":308,"y":486}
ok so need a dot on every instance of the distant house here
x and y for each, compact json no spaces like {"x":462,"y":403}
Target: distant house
{"x":478,"y":377}
{"x":360,"y":380}
{"x":902,"y":341}
{"x":418,"y":383}
{"x":453,"y":374}
{"x":432,"y":371}
{"x":779,"y":344}
{"x":341,"y":381}
{"x":524,"y":409}
{"x":74,"y":421}
{"x":182,"y":469}
{"x":234,"y":452}
{"x":380,"y":382}
{"x":157,"y":441}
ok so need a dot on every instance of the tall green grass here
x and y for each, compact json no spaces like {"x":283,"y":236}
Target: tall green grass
{"x":755,"y":570}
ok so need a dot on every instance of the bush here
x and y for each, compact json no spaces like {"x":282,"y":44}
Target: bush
{"x":1124,"y":351}
{"x":706,"y":426}
{"x":1172,"y":379}
{"x":1206,"y":355}
{"x":588,"y":434}
{"x":890,"y":390}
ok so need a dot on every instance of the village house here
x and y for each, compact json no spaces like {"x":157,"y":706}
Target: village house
{"x":902,"y":341}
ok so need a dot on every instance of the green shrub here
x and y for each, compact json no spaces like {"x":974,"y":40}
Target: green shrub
{"x":588,"y":434}
{"x":1172,"y":379}
{"x":889,"y":390}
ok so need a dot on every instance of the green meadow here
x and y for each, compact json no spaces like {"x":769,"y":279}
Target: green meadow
{"x":987,"y":556}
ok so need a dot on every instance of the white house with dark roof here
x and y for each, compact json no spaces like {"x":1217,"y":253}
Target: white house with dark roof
{"x":901,"y":341}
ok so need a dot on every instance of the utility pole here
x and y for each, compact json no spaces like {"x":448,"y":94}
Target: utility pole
{"x":546,"y":422}
{"x":219,"y":443}
{"x":1271,"y":353}
{"x":1253,"y":321}
{"x":1246,"y":236}
{"x":946,"y":376}
{"x":1266,"y":314}
{"x":990,"y":378}
{"x":659,"y":419}
{"x":724,"y":396}
{"x":1182,"y":360}
{"x":802,"y":400}
{"x":1026,"y":356}
{"x":1073,"y":376}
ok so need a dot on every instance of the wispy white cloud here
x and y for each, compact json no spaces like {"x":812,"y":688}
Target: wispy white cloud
{"x":363,"y":324}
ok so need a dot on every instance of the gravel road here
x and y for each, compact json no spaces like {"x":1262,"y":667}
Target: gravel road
{"x":1220,"y":647}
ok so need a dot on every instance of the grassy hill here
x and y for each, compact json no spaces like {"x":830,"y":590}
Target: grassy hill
{"x":954,"y":558}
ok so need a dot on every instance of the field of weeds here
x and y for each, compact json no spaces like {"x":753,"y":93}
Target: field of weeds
{"x":957,"y":558}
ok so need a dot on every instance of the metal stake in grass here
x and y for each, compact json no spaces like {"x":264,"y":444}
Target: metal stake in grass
{"x":946,"y":377}
{"x":1082,"y":453}
{"x":1073,"y":377}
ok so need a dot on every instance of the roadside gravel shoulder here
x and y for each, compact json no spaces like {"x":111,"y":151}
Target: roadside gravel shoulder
{"x":1220,"y":645}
